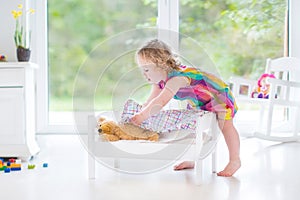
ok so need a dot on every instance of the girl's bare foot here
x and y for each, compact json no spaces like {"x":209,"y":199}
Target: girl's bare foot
{"x":231,"y":168}
{"x":185,"y":165}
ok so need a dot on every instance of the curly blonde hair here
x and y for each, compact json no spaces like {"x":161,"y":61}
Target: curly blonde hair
{"x":160,"y":54}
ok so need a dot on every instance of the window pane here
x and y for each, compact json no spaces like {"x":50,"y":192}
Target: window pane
{"x":78,"y":26}
{"x":238,"y":35}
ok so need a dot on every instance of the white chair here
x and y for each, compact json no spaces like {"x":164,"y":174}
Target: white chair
{"x":284,"y":94}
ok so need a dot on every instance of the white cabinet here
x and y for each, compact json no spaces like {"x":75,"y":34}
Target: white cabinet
{"x":17,"y":110}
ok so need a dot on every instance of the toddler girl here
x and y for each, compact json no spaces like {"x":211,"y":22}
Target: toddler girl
{"x":202,"y":90}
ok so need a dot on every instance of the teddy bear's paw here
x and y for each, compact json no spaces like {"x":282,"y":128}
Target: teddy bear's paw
{"x":154,"y":137}
{"x":138,"y":133}
{"x":127,"y":137}
{"x":110,"y":138}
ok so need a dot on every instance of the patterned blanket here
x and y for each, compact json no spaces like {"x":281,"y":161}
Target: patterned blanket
{"x":165,"y":120}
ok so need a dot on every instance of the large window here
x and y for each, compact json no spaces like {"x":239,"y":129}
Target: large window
{"x":237,"y":35}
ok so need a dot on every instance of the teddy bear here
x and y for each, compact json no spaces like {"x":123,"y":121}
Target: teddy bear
{"x":111,"y":131}
{"x":263,"y":87}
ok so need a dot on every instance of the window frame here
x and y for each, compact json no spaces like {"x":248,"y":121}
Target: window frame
{"x":168,"y":19}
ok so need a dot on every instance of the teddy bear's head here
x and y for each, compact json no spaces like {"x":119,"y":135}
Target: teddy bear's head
{"x":106,"y":126}
{"x":108,"y":129}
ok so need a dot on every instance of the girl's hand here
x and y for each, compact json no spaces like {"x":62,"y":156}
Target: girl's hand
{"x":144,"y":105}
{"x":137,"y":119}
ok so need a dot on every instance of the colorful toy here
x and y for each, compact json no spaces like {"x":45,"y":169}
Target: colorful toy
{"x":15,"y":167}
{"x":2,"y":167}
{"x":12,"y":164}
{"x":263,"y":87}
{"x":2,"y":58}
{"x":31,"y":166}
{"x":7,"y":170}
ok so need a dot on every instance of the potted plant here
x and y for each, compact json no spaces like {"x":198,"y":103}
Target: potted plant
{"x":22,"y":35}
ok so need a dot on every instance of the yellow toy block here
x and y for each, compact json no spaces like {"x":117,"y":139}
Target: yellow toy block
{"x":15,"y":165}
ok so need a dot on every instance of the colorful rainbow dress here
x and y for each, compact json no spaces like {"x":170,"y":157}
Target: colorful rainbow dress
{"x":205,"y":91}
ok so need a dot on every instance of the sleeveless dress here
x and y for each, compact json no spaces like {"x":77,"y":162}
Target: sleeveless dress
{"x":205,"y":92}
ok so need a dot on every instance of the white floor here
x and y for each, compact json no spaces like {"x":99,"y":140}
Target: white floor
{"x":270,"y":171}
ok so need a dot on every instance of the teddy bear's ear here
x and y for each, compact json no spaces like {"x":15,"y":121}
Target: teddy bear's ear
{"x":101,"y":119}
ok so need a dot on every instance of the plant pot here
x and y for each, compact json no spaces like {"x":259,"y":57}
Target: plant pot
{"x":23,"y":54}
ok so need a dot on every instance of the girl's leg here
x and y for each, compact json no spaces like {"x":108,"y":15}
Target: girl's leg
{"x":233,"y":143}
{"x":232,"y":140}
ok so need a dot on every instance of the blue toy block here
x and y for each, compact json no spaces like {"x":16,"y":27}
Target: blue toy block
{"x":15,"y":169}
{"x":7,"y":170}
{"x":45,"y":165}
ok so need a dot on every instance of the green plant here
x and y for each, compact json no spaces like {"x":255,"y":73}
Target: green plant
{"x":22,"y":36}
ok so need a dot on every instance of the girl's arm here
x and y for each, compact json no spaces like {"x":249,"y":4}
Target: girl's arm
{"x":155,"y":91}
{"x":157,"y":103}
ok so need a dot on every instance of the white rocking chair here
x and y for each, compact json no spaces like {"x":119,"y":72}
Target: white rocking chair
{"x":284,"y":93}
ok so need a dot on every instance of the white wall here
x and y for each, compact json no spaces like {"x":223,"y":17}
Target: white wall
{"x":7,"y":44}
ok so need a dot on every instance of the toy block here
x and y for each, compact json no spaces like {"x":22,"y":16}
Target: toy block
{"x":15,"y":169}
{"x":7,"y":170}
{"x":31,"y":166}
{"x":45,"y":165}
{"x":12,"y":160}
{"x":3,"y":168}
{"x":15,"y":165}
{"x":8,"y":164}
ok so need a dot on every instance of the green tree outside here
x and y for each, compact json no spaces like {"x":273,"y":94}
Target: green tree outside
{"x":238,"y":35}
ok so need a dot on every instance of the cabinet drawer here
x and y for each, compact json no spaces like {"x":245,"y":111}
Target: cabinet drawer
{"x":12,"y":116}
{"x":11,"y":77}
